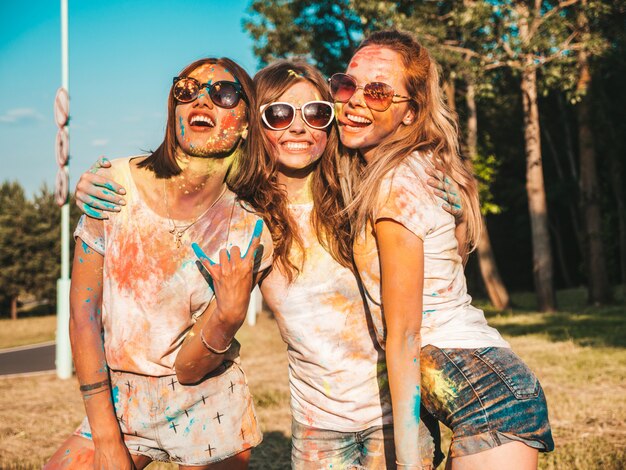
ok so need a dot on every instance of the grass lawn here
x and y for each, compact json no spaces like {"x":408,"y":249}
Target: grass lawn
{"x":579,"y":354}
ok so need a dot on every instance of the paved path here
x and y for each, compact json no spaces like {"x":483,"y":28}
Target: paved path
{"x":28,"y":359}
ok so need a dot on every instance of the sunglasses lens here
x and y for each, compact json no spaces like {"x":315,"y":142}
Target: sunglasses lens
{"x":278,"y":116}
{"x":225,"y":94}
{"x":342,"y":87}
{"x":317,"y":114}
{"x":378,"y":96}
{"x":185,"y":90}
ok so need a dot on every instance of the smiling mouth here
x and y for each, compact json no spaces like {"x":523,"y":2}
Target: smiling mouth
{"x":296,"y":146}
{"x":355,"y":122}
{"x":201,"y":121}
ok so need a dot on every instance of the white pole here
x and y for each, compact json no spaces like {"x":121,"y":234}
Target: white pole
{"x":63,"y":347}
{"x":255,"y":306}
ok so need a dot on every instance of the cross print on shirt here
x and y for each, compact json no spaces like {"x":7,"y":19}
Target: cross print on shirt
{"x":210,"y":450}
{"x":172,"y":383}
{"x":174,"y":426}
{"x":218,"y":416}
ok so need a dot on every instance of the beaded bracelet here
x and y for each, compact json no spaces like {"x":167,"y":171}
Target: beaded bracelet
{"x":211,"y":348}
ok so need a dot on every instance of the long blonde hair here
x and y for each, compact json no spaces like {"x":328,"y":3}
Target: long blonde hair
{"x":434,"y":132}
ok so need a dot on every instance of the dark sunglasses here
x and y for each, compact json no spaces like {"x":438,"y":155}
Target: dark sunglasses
{"x":280,"y":115}
{"x":224,"y":94}
{"x":378,"y":95}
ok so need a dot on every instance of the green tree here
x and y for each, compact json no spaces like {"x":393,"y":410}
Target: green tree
{"x":14,"y":208}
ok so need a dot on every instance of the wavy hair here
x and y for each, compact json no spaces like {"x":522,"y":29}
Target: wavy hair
{"x":434,"y":132}
{"x":258,"y":184}
{"x":163,"y":160}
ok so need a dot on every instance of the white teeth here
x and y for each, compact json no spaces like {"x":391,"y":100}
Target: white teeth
{"x":197,"y":118}
{"x":296,"y":145}
{"x":359,"y":119}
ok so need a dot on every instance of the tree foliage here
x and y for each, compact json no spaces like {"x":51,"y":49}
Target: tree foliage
{"x":490,"y":44}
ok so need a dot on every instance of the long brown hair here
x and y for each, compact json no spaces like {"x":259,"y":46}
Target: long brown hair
{"x":163,"y":160}
{"x":434,"y":132}
{"x":257,"y":182}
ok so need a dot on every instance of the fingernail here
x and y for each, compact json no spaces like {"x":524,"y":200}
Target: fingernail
{"x":105,"y":160}
{"x":122,"y":202}
{"x":121,"y":191}
{"x":445,"y":206}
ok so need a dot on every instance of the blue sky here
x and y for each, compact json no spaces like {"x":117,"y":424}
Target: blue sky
{"x":123,"y":55}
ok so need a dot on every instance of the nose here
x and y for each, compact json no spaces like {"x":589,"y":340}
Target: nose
{"x":204,"y":99}
{"x":357,"y":99}
{"x":297,"y":127}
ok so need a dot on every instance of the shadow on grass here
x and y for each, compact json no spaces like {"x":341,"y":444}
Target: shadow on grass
{"x":592,"y":326}
{"x":274,"y":453}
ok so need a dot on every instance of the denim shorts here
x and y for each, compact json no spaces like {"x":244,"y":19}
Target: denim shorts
{"x":188,"y":425}
{"x":371,"y":449}
{"x":487,"y":397}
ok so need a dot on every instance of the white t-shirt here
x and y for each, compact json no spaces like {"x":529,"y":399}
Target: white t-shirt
{"x":151,"y":287}
{"x":448,"y":318}
{"x":337,"y":374}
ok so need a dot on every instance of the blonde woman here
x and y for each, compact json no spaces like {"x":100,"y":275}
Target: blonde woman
{"x":440,"y":351}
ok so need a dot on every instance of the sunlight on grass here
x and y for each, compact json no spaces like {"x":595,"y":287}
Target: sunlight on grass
{"x":28,"y":330}
{"x":578,"y":353}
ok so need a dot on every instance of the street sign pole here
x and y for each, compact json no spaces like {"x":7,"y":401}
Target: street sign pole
{"x":63,"y":347}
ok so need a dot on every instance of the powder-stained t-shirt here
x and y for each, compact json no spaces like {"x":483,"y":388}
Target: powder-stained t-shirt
{"x":337,"y":374}
{"x":448,"y":318}
{"x":152,"y":288}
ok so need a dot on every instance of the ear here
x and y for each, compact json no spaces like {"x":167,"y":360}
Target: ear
{"x":409,"y":117}
{"x":244,"y":133}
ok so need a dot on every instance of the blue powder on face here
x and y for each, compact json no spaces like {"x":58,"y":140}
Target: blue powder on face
{"x":182,"y":126}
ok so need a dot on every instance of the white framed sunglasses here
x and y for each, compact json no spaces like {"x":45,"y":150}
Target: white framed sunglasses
{"x":280,"y":115}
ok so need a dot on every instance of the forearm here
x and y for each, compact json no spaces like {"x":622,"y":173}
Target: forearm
{"x":202,"y":350}
{"x":92,"y":373}
{"x":403,"y":366}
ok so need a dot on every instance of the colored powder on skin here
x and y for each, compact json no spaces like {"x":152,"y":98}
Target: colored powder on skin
{"x":90,"y":211}
{"x":416,"y":405}
{"x":182,"y":126}
{"x":86,"y":248}
{"x":116,"y":394}
{"x":109,"y":186}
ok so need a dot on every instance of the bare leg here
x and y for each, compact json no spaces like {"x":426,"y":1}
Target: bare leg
{"x":236,"y":462}
{"x":512,"y":456}
{"x":76,"y":453}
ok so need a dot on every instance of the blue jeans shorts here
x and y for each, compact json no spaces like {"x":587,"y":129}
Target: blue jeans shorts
{"x":188,"y":425}
{"x":487,"y":397}
{"x":371,"y":449}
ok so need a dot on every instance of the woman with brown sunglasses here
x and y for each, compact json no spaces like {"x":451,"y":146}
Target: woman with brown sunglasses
{"x":136,"y":292}
{"x":440,"y":351}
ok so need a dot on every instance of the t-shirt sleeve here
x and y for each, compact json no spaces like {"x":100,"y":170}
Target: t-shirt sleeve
{"x":91,"y":232}
{"x":405,"y":198}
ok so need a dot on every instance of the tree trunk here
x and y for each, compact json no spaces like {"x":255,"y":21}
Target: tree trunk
{"x":496,"y":290}
{"x":597,"y":277}
{"x":537,"y":206}
{"x":449,"y":90}
{"x":14,"y":308}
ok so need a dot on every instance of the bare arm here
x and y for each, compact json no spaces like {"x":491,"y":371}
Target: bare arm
{"x":210,"y":339}
{"x":401,"y":256}
{"x":447,"y":190}
{"x":90,"y":361}
{"x":96,"y":194}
